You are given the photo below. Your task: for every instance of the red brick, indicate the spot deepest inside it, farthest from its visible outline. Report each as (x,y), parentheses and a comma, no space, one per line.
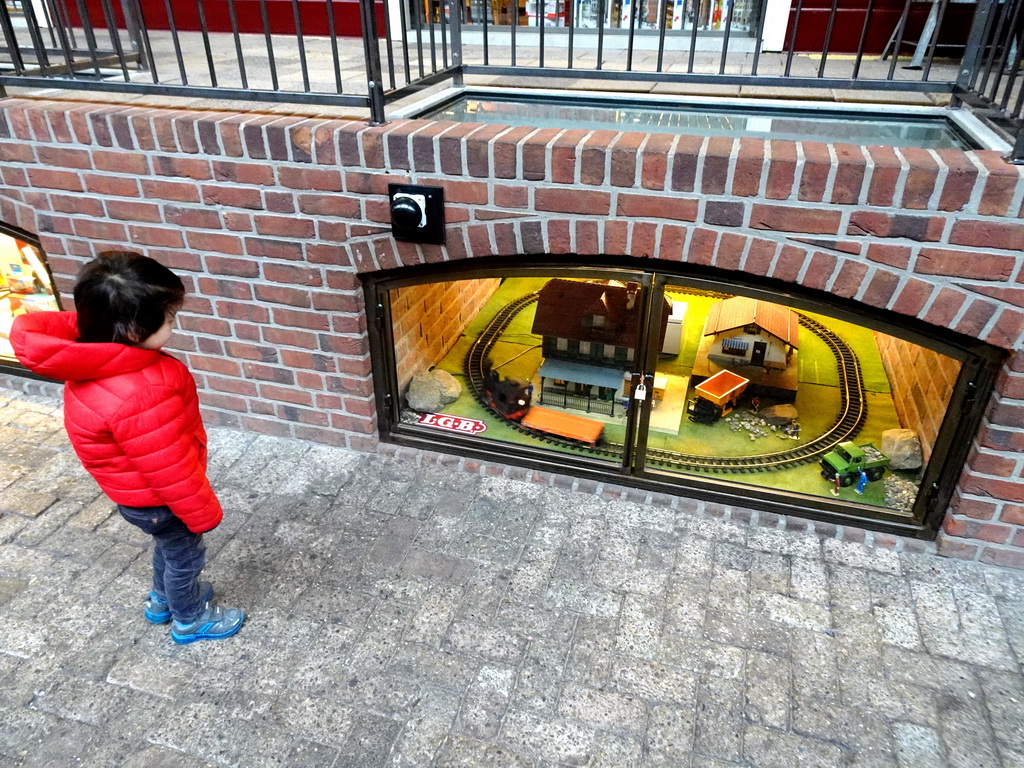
(113,186)
(228,289)
(1000,184)
(234,267)
(894,255)
(788,219)
(884,176)
(961,177)
(850,171)
(817,167)
(578,201)
(921,177)
(976,509)
(292,274)
(625,153)
(789,263)
(849,280)
(654,206)
(128,210)
(274,249)
(781,170)
(945,307)
(478,150)
(881,288)
(823,266)
(178,191)
(185,167)
(715,171)
(320,179)
(100,230)
(159,236)
(64,157)
(243,173)
(564,155)
(750,162)
(702,246)
(988,234)
(124,163)
(975,266)
(232,196)
(729,253)
(471,192)
(685,160)
(86,206)
(1007,330)
(1012,514)
(285,226)
(52,179)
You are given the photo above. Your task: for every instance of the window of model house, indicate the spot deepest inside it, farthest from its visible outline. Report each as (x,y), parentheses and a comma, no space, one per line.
(25,283)
(734,390)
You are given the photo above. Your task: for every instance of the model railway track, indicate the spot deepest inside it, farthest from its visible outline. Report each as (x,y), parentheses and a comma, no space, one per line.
(852,410)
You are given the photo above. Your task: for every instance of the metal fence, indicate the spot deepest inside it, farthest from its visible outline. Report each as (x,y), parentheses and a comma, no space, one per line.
(287,51)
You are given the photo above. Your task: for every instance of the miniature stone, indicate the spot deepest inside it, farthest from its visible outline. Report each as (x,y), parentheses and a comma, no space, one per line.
(779,415)
(430,391)
(903,447)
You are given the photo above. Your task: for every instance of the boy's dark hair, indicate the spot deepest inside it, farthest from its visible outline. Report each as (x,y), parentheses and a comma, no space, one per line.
(125,297)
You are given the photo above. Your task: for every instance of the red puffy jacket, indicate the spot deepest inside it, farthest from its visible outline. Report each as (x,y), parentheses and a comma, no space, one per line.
(132,415)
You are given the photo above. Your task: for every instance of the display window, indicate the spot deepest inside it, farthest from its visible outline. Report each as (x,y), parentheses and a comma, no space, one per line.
(25,283)
(780,401)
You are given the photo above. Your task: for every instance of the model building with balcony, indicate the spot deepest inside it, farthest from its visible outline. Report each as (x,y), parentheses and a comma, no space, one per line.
(588,333)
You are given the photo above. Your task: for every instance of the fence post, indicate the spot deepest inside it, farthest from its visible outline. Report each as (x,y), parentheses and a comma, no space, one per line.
(371,50)
(1016,156)
(455,24)
(977,42)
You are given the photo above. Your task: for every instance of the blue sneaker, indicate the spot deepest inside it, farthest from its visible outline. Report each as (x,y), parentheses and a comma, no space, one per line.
(214,623)
(158,611)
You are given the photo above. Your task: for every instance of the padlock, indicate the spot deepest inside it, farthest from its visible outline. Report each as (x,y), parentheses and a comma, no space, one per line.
(640,393)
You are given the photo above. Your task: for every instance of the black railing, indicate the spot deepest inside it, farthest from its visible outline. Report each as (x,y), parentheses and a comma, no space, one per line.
(587,403)
(303,52)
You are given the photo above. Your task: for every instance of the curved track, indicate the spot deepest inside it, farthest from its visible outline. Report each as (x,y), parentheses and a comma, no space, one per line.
(852,410)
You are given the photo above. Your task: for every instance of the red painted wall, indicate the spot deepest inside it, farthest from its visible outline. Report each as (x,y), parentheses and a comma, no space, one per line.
(885,15)
(280,16)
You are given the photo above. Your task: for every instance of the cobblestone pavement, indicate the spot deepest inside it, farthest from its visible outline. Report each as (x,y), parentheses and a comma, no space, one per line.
(405,614)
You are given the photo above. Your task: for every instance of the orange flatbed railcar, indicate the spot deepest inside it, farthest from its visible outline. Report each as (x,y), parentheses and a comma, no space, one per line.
(564,425)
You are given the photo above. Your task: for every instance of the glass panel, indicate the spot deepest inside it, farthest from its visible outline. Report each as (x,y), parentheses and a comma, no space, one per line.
(763,395)
(532,361)
(789,124)
(25,286)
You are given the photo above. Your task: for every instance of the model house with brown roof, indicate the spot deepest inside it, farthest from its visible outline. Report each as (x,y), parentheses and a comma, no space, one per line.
(750,333)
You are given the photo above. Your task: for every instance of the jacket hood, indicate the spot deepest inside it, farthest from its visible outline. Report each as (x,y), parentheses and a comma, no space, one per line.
(47,343)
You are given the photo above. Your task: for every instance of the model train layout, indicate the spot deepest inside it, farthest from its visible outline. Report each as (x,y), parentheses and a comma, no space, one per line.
(510,401)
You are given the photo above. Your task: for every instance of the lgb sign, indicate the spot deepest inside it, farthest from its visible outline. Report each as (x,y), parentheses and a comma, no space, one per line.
(452,423)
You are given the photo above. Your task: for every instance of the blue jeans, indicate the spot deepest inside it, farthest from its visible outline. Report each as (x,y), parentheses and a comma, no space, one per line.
(178,557)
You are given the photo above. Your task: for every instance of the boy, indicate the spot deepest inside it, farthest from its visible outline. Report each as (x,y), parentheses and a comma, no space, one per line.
(132,414)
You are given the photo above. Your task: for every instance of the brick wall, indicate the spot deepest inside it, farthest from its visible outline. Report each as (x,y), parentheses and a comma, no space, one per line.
(271,218)
(428,319)
(923,382)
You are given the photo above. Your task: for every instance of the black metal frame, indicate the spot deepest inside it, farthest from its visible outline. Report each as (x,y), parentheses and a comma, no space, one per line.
(980,364)
(432,51)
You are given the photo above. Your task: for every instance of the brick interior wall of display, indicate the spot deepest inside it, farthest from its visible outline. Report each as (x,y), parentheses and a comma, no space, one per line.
(428,319)
(922,381)
(272,217)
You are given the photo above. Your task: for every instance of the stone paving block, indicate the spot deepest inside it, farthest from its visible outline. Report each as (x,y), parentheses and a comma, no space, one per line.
(654,683)
(746,631)
(767,691)
(849,587)
(640,626)
(457,752)
(768,748)
(898,626)
(557,739)
(426,729)
(921,669)
(809,581)
(600,709)
(614,750)
(729,591)
(486,700)
(791,612)
(485,642)
(965,734)
(1004,699)
(10,526)
(625,577)
(815,666)
(860,556)
(865,737)
(159,757)
(166,679)
(433,666)
(719,726)
(916,745)
(93,514)
(22,501)
(770,572)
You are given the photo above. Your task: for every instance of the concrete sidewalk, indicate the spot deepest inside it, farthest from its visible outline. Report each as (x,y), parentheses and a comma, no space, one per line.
(405,614)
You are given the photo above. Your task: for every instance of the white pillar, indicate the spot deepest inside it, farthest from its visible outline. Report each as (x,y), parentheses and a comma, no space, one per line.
(776,20)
